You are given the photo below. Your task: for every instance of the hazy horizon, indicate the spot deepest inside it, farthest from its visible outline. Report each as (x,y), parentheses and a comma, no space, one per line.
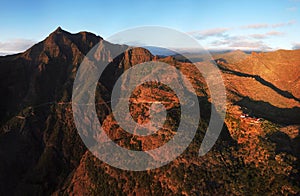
(217,25)
(161,51)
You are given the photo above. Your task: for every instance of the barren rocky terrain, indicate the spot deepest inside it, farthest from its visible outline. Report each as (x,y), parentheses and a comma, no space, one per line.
(41,152)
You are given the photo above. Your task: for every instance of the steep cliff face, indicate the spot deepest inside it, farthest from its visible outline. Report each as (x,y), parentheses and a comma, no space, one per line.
(38,137)
(34,82)
(42,153)
(281,68)
(37,75)
(267,84)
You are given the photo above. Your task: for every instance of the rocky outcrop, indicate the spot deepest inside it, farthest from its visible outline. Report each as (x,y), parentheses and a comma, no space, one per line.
(42,152)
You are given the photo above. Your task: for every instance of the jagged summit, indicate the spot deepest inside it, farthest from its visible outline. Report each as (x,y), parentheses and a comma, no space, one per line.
(43,153)
(62,43)
(58,29)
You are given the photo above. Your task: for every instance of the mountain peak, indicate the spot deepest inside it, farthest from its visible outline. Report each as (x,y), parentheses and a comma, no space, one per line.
(58,29)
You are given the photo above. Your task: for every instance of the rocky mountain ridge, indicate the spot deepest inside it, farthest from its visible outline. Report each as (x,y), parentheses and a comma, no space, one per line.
(42,153)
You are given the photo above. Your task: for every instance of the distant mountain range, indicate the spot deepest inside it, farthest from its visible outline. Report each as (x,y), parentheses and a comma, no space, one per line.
(41,152)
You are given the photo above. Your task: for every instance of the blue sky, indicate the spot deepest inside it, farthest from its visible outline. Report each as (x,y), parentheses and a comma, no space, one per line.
(217,24)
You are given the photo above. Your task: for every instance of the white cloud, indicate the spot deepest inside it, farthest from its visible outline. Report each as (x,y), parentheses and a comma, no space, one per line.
(256,45)
(266,35)
(284,24)
(265,25)
(223,38)
(15,46)
(216,32)
(259,36)
(296,46)
(255,26)
(3,54)
(240,42)
(292,9)
(275,33)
